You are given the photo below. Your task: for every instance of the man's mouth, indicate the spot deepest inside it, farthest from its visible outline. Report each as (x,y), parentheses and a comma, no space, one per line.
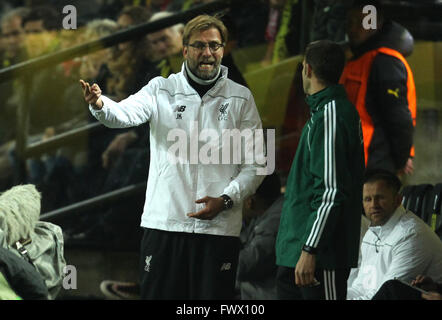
(206,65)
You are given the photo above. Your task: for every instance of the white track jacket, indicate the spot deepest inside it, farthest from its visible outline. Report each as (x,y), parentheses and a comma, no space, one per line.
(189,156)
(402,248)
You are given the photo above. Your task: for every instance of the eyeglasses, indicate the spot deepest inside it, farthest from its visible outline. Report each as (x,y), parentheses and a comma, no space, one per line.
(201,46)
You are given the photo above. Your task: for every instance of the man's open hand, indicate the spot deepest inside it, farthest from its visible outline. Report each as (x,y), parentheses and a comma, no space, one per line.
(211,210)
(425,283)
(92,94)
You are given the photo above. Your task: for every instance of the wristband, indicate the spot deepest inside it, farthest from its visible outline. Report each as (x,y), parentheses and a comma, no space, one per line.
(309,249)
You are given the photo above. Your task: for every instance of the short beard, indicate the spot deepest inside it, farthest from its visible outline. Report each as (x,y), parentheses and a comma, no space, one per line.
(203,75)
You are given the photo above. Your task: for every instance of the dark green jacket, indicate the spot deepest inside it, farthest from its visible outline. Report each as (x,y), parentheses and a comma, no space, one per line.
(323,200)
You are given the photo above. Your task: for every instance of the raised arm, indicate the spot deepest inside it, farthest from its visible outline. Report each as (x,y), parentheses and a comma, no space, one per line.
(92,94)
(130,112)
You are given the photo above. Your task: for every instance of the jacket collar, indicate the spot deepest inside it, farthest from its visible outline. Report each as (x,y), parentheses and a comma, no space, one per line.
(318,100)
(384,230)
(224,72)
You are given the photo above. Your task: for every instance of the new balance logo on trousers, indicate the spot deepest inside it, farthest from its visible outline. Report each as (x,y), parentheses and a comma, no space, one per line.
(181,266)
(147,267)
(226,266)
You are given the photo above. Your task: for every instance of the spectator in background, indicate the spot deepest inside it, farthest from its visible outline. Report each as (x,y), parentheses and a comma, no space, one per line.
(282,33)
(129,63)
(41,26)
(13,52)
(398,244)
(94,65)
(13,36)
(329,20)
(256,275)
(165,46)
(379,82)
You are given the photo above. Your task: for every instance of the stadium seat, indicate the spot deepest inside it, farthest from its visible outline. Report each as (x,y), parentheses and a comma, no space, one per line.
(419,198)
(406,194)
(435,218)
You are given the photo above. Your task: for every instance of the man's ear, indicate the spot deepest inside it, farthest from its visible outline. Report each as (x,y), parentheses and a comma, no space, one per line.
(185,51)
(308,70)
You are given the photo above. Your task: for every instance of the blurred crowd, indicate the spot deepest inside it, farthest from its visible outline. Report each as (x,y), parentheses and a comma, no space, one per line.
(30,29)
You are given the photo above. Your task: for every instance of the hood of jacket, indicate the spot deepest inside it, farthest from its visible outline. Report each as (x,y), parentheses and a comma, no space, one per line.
(392,35)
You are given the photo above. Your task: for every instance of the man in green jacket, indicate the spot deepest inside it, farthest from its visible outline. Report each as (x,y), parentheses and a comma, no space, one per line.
(318,237)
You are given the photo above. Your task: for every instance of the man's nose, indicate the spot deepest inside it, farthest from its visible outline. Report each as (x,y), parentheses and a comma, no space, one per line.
(162,45)
(206,51)
(374,203)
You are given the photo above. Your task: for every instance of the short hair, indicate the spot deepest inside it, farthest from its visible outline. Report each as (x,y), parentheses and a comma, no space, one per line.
(373,175)
(99,28)
(164,14)
(20,12)
(138,14)
(327,60)
(202,23)
(46,13)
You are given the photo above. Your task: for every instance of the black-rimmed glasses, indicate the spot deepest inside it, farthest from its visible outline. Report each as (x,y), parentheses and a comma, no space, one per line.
(201,46)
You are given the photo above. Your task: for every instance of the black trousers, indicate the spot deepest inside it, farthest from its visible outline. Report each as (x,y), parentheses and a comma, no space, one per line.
(177,265)
(332,285)
(395,290)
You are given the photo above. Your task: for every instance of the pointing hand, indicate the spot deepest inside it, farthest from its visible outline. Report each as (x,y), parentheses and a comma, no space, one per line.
(92,94)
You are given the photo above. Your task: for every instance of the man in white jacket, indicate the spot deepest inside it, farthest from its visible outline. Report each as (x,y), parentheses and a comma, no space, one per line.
(397,245)
(192,212)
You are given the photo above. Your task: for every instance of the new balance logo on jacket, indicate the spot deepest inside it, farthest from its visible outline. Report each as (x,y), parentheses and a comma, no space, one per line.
(226,266)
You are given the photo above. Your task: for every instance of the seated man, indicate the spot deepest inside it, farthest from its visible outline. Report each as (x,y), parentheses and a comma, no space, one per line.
(397,244)
(256,275)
